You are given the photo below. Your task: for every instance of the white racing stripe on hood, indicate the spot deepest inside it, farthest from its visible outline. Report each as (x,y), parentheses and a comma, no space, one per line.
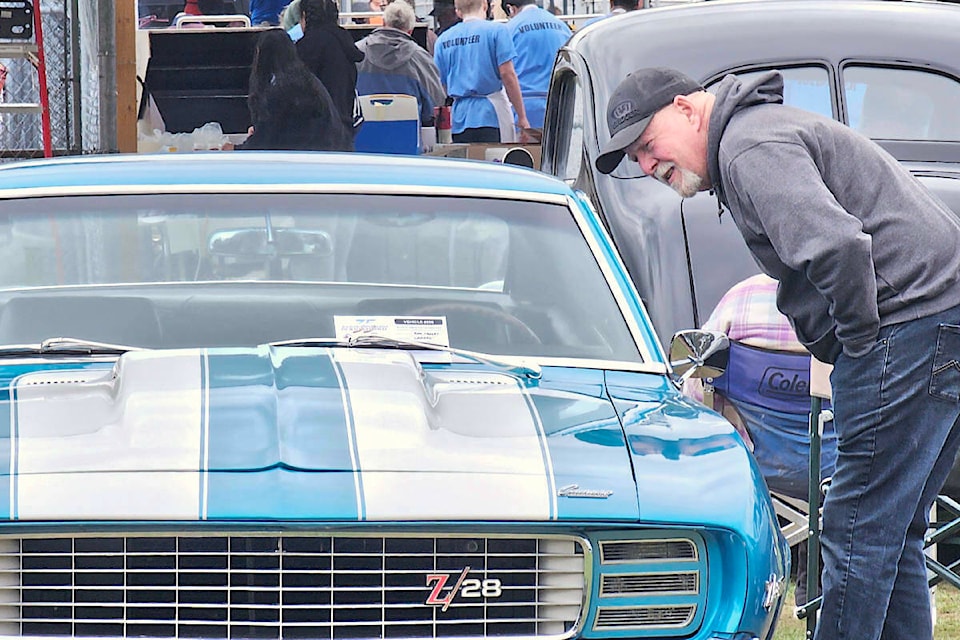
(89,444)
(444,445)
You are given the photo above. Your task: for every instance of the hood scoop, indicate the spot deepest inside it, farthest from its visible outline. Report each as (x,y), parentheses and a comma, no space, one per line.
(134,415)
(108,444)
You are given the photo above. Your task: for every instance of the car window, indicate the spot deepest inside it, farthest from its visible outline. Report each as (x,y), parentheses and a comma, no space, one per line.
(946,188)
(510,277)
(901,103)
(568,143)
(803,87)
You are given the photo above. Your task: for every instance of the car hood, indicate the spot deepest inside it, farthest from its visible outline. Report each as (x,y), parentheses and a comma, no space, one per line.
(309,433)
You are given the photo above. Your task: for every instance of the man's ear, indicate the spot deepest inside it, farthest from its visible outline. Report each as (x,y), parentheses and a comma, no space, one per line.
(689,109)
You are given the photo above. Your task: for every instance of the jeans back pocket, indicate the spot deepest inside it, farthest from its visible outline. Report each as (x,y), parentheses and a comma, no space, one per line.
(945,376)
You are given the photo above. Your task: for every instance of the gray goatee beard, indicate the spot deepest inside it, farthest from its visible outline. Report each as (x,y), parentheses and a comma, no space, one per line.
(688,183)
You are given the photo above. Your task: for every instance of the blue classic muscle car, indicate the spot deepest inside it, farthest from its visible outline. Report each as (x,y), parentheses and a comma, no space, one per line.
(334,396)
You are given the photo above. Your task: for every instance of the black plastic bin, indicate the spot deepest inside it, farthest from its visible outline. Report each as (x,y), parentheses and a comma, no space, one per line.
(198,76)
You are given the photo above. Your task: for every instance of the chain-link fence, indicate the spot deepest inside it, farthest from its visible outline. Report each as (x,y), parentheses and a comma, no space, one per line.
(73,120)
(88,90)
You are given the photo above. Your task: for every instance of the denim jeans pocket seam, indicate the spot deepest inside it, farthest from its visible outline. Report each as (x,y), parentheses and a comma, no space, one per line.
(945,369)
(953,364)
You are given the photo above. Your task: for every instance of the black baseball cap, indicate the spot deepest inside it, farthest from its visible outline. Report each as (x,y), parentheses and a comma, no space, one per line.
(634,102)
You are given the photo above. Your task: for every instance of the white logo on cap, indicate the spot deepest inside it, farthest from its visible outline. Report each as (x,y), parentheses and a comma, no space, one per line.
(622,109)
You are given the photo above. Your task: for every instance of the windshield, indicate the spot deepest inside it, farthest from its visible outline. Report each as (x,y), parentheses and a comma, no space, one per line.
(222,270)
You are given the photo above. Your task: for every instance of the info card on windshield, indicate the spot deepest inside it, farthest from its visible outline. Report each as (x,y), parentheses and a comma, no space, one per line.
(429,329)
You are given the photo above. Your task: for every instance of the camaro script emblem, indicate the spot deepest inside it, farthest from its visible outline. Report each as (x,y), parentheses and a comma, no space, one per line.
(574,491)
(772,591)
(466,588)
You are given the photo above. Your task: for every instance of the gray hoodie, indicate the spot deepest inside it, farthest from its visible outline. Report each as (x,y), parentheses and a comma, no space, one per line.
(855,240)
(395,63)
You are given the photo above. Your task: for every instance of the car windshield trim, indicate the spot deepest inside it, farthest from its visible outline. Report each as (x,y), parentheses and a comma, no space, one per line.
(649,349)
(274,188)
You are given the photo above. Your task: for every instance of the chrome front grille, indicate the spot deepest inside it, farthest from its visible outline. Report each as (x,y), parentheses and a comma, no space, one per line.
(652,585)
(677,583)
(636,618)
(290,586)
(644,550)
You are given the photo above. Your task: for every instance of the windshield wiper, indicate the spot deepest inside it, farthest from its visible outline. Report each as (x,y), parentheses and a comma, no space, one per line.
(370,340)
(65,346)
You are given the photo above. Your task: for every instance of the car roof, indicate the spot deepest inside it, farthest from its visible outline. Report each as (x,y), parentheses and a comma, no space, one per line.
(251,168)
(704,38)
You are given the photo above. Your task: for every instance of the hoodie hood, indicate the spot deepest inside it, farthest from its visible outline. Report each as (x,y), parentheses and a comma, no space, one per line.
(733,95)
(388,48)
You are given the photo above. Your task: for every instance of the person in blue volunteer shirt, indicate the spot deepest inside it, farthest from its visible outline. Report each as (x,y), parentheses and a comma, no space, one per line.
(537,36)
(475,59)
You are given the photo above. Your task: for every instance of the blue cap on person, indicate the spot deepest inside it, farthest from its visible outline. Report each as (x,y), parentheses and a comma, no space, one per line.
(634,102)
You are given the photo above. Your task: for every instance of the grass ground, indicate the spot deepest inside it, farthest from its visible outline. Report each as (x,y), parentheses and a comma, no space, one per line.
(947,621)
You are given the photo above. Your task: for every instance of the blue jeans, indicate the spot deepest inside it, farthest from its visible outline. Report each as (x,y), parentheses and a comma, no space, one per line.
(897,411)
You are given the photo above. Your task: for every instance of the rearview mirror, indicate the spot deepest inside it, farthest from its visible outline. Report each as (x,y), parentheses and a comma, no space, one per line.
(695,353)
(257,243)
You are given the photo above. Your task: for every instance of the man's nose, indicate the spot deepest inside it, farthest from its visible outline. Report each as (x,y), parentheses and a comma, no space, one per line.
(647,164)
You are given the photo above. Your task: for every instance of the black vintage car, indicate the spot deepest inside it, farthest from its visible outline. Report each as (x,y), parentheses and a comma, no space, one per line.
(888,69)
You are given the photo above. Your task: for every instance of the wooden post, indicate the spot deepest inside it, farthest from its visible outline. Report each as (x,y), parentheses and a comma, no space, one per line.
(126,52)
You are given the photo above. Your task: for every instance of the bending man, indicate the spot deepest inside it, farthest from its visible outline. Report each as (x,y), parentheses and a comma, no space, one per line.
(869,276)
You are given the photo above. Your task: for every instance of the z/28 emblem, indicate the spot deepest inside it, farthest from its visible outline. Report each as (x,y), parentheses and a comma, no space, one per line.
(467,588)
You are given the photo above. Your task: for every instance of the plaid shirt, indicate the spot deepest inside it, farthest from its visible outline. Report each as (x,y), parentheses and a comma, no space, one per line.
(748,313)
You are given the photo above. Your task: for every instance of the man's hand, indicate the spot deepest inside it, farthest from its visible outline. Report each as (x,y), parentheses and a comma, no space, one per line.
(512,85)
(530,136)
(523,125)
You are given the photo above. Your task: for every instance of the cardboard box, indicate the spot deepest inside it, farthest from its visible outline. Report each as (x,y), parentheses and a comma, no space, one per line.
(489,151)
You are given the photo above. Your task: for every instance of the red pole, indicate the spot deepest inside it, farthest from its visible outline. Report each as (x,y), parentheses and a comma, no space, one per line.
(42,77)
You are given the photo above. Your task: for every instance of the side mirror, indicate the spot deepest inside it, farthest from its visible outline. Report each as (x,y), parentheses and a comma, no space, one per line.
(695,353)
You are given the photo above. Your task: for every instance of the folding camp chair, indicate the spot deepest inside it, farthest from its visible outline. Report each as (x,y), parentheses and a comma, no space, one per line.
(770,391)
(943,530)
(820,393)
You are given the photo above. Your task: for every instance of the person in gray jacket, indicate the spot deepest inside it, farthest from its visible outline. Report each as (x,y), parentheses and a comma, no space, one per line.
(868,267)
(394,63)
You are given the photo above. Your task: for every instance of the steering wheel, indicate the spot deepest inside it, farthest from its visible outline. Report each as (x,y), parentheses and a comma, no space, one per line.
(494,313)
